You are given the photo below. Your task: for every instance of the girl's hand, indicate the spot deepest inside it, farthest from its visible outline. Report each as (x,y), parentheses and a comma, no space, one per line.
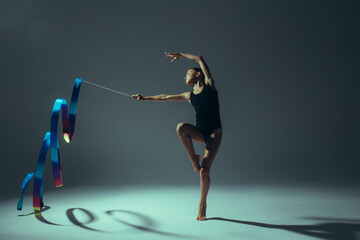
(175,56)
(138,97)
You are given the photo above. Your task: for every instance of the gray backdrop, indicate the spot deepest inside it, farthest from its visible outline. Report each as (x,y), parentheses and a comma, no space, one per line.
(286,71)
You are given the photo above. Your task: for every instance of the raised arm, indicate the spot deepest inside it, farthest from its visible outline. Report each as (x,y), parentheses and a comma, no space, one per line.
(164,97)
(200,60)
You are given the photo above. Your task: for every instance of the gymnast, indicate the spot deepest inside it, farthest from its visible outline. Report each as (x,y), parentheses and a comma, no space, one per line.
(208,130)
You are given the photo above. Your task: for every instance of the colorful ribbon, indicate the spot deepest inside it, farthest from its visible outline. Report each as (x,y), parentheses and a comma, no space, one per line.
(50,139)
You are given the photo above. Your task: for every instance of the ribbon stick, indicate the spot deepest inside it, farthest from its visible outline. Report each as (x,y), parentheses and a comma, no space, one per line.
(109,89)
(51,140)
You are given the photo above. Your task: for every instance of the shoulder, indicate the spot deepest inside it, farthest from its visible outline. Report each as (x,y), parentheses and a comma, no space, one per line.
(187,96)
(210,86)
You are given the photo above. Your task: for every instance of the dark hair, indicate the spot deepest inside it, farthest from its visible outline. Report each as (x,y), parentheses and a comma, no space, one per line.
(196,69)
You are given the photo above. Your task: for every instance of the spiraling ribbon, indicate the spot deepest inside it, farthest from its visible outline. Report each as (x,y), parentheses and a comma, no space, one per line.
(51,140)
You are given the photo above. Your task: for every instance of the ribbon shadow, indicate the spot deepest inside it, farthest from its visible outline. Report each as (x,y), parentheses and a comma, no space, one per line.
(40,217)
(70,214)
(147,222)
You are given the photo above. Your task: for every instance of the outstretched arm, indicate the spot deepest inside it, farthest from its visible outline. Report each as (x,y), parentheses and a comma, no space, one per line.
(164,97)
(200,60)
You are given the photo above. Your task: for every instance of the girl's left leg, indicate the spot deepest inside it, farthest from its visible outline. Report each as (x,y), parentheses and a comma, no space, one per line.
(211,148)
(187,132)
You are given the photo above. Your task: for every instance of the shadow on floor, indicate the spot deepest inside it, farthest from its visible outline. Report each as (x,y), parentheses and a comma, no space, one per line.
(40,217)
(91,218)
(45,208)
(147,223)
(335,229)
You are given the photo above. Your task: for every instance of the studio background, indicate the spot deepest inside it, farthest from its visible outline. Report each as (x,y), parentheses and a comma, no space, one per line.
(286,71)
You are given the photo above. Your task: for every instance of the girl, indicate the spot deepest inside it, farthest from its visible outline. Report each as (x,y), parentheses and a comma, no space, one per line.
(204,99)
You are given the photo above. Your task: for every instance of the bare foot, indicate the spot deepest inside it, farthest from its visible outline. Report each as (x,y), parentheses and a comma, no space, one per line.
(196,163)
(202,212)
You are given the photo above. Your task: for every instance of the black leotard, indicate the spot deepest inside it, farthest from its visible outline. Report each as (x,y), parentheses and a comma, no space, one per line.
(206,106)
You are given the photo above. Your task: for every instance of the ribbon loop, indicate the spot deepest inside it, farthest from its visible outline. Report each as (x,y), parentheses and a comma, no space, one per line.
(51,140)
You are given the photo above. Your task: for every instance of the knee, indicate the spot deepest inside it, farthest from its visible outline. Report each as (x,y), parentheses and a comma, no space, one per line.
(204,173)
(180,128)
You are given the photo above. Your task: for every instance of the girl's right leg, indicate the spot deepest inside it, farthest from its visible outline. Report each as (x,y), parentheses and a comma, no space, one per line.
(187,132)
(211,148)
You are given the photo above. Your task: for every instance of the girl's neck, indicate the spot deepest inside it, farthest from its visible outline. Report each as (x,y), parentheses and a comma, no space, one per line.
(198,85)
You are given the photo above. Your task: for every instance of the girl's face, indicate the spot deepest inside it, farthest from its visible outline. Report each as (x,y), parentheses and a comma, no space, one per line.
(190,77)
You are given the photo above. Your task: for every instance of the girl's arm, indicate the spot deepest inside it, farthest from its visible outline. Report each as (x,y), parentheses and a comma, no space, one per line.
(199,59)
(164,97)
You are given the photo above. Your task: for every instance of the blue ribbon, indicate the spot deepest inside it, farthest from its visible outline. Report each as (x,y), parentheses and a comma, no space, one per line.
(51,140)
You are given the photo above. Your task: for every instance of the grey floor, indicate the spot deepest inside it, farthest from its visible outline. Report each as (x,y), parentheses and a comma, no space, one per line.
(253,212)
